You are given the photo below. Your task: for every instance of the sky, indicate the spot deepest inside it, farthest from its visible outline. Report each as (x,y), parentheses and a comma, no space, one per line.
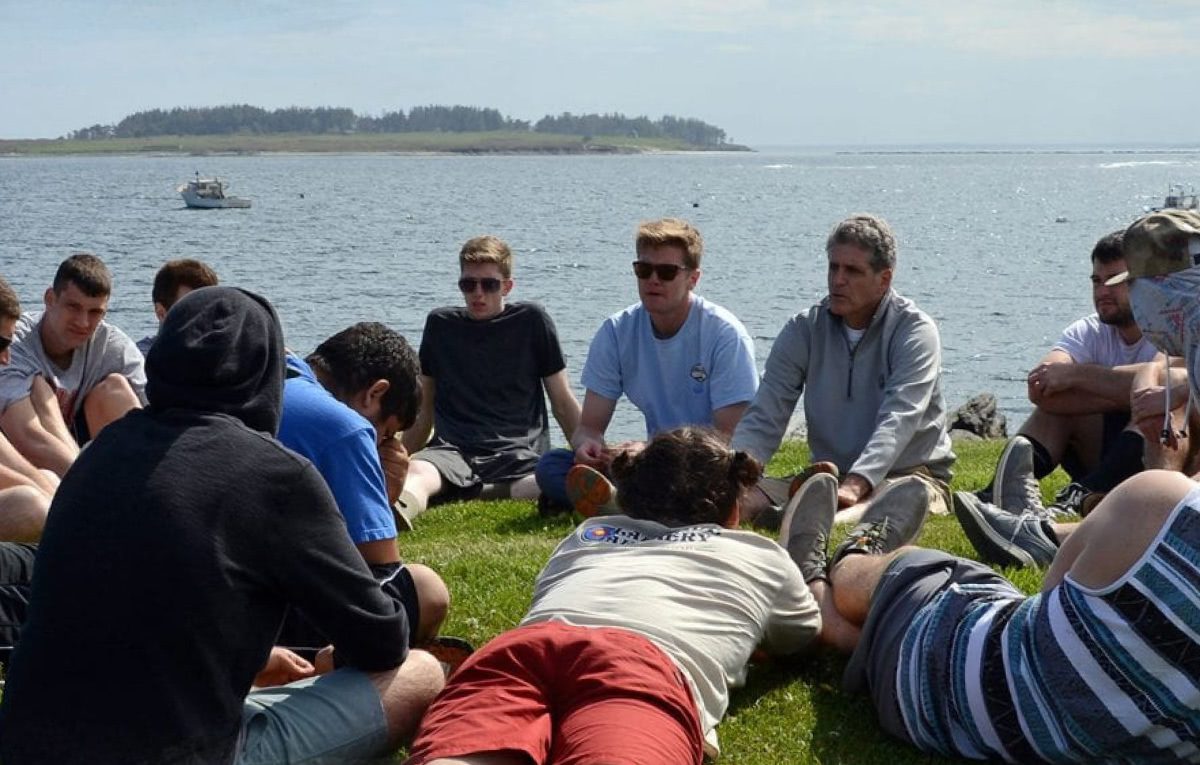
(768,72)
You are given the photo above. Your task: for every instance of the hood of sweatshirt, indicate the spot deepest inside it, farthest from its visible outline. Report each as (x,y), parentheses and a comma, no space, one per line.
(220,349)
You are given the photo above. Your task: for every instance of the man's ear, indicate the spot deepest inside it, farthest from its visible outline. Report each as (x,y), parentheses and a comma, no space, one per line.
(48,297)
(376,391)
(160,311)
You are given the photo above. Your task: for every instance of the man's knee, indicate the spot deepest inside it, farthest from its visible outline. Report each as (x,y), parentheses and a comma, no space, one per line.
(407,691)
(108,401)
(23,511)
(433,598)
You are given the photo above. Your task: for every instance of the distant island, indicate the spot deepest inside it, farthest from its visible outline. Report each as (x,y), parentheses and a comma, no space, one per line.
(244,129)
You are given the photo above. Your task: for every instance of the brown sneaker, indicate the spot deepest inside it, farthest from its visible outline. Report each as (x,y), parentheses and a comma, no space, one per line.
(591,492)
(815,468)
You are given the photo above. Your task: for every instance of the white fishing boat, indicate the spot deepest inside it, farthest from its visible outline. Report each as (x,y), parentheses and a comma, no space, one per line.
(208,193)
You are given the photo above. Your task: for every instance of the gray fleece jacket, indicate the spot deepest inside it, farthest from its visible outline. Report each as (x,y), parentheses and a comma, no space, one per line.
(876,412)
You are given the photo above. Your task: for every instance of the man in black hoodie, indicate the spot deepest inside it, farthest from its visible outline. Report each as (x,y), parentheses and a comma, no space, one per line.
(176,542)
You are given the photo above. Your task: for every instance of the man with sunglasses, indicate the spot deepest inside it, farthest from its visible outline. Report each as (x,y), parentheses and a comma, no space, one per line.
(484,367)
(868,363)
(72,373)
(680,359)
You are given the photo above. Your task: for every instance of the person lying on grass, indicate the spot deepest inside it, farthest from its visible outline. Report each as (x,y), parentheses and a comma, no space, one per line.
(1098,666)
(640,623)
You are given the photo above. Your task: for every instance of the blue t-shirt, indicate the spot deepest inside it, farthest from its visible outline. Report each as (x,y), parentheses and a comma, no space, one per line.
(340,442)
(708,364)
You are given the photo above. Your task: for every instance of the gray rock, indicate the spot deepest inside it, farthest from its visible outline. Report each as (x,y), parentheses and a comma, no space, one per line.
(958,435)
(979,416)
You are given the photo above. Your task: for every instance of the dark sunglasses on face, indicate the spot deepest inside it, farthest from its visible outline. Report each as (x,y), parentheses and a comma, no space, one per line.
(664,271)
(4,343)
(468,284)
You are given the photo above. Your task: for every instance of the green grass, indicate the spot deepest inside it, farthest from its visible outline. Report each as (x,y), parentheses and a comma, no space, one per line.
(490,552)
(502,142)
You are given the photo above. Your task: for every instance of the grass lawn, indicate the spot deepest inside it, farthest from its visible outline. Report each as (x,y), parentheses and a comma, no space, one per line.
(490,552)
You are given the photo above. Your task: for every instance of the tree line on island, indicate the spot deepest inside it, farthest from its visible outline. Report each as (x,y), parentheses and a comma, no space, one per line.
(245,119)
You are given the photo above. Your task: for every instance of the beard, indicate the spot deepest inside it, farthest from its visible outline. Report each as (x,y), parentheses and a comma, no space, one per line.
(1117,317)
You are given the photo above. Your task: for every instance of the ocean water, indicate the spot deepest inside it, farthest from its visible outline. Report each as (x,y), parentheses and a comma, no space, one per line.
(994,247)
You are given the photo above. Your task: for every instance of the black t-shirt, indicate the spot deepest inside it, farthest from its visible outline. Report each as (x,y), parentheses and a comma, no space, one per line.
(487,378)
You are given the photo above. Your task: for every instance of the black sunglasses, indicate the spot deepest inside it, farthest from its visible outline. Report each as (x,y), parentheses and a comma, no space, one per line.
(664,271)
(4,343)
(468,284)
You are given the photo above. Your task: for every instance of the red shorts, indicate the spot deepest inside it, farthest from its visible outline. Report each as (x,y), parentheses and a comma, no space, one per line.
(567,695)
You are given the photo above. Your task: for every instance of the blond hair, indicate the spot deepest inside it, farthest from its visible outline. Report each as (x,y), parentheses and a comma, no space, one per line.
(487,249)
(671,232)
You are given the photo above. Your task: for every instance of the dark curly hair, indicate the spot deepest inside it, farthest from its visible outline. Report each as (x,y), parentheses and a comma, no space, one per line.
(356,357)
(683,477)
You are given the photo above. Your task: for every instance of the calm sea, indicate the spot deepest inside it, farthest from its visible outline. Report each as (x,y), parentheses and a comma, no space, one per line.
(994,246)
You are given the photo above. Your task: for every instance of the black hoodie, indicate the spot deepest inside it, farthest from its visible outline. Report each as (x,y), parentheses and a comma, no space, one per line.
(172,549)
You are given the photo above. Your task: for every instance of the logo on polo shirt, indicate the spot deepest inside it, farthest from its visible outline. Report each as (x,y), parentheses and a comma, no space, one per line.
(699,373)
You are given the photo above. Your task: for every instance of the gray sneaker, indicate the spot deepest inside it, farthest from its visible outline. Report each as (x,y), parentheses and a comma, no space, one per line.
(892,519)
(1004,538)
(1014,488)
(807,519)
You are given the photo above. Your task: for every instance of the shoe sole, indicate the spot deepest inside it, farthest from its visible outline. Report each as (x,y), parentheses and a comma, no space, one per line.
(588,490)
(816,468)
(990,545)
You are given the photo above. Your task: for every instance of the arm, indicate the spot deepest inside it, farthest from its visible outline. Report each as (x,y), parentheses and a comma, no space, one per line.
(1060,386)
(323,575)
(588,440)
(34,442)
(563,404)
(417,436)
(915,357)
(761,427)
(726,418)
(795,619)
(15,470)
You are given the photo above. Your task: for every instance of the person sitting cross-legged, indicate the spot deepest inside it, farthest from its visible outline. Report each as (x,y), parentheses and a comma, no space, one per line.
(72,373)
(484,368)
(640,623)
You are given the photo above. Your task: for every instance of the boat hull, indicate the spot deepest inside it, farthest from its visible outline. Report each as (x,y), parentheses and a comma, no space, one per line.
(192,199)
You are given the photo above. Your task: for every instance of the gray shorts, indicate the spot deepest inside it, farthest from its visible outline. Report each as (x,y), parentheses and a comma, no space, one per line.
(463,475)
(908,584)
(334,718)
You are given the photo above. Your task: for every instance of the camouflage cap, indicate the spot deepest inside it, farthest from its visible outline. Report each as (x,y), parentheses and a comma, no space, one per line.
(1160,243)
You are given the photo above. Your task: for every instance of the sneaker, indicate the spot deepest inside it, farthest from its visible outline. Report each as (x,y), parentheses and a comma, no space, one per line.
(450,652)
(1070,500)
(892,519)
(1004,538)
(1015,488)
(591,492)
(807,519)
(550,508)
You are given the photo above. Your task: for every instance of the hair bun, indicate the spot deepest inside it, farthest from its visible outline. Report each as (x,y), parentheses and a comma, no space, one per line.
(744,469)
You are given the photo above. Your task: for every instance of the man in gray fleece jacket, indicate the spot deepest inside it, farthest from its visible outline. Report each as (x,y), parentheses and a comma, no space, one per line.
(871,363)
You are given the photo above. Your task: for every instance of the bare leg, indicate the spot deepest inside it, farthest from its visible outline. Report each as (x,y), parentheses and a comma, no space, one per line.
(524,487)
(423,482)
(854,579)
(45,450)
(49,413)
(1115,535)
(406,692)
(433,598)
(836,631)
(109,401)
(23,512)
(1058,433)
